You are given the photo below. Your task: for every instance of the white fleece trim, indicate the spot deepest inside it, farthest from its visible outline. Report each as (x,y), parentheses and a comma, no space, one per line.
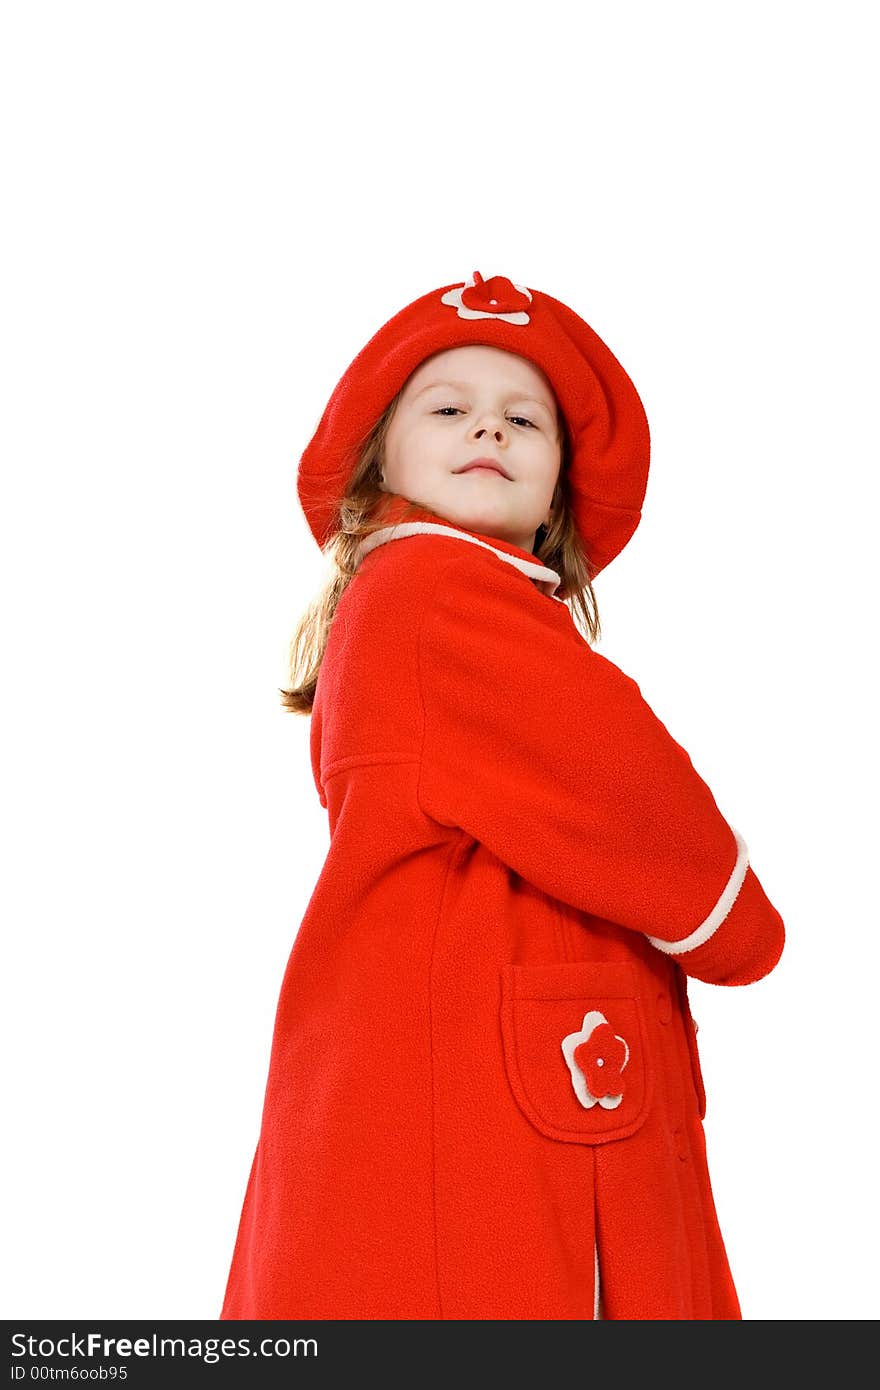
(597,1307)
(719,911)
(545,579)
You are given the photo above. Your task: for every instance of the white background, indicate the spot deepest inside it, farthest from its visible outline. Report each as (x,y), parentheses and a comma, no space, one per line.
(209,208)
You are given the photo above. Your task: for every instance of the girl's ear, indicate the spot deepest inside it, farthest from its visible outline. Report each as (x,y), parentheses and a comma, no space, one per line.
(555,501)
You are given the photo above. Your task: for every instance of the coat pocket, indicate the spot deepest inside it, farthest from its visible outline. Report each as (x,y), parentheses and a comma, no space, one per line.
(575,1048)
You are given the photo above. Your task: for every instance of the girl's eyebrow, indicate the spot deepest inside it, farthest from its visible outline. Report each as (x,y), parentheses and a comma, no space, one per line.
(463,386)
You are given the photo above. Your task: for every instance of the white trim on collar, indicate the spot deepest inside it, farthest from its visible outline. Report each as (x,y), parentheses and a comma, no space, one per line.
(545,579)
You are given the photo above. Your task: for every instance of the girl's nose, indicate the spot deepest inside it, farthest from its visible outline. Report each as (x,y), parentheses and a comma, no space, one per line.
(488,425)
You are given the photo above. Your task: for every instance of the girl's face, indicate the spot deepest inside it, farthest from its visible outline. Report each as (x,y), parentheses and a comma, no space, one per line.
(469,403)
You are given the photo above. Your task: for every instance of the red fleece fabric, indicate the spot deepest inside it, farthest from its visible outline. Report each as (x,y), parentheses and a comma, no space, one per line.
(511,826)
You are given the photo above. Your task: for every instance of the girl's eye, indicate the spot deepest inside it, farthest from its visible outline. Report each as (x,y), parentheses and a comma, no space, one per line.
(514,418)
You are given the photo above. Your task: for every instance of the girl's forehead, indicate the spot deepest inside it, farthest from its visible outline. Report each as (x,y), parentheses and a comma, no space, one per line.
(479,364)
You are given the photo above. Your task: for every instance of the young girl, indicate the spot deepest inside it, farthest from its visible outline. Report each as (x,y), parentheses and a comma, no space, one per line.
(484,1097)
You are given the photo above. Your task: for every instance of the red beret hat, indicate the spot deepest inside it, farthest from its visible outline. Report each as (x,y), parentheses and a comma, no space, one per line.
(606,421)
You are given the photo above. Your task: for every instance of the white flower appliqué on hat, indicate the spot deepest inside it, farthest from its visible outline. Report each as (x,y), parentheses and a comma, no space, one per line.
(498,298)
(596,1057)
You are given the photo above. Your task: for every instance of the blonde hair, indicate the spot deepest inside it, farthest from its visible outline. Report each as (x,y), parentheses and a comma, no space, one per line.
(360,513)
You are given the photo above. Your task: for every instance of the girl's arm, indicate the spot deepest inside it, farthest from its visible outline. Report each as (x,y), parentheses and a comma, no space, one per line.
(548,754)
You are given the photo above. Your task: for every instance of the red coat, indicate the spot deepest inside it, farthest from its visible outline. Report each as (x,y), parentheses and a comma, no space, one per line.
(484,1083)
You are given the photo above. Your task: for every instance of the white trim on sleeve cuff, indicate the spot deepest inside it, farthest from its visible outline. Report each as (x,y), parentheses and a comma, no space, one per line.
(719,911)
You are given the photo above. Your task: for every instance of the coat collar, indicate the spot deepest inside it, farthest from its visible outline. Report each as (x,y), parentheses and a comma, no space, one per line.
(425,522)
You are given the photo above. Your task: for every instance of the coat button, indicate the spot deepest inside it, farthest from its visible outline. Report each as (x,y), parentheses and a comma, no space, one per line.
(664,1007)
(680,1145)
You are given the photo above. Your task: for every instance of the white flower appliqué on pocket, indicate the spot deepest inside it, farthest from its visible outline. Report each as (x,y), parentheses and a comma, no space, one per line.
(596,1058)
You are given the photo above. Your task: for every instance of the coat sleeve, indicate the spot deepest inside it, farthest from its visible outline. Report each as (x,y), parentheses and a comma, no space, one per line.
(548,754)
